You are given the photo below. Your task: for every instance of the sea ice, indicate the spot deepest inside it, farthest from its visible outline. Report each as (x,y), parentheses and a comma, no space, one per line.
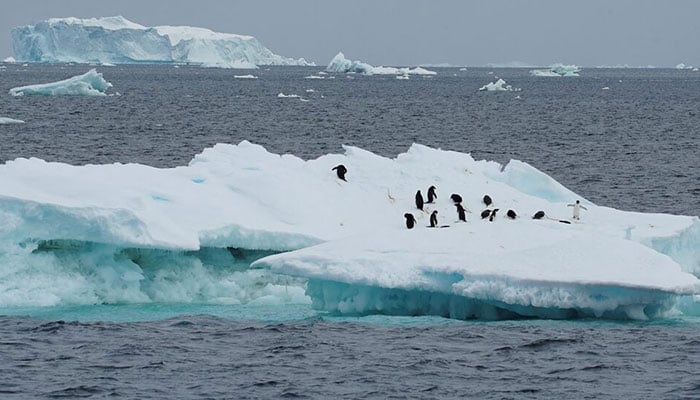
(90,83)
(498,86)
(341,64)
(6,120)
(133,233)
(557,70)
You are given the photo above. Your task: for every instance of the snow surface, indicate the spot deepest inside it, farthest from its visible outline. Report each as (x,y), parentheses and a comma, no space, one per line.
(90,83)
(6,120)
(340,64)
(116,40)
(351,250)
(557,70)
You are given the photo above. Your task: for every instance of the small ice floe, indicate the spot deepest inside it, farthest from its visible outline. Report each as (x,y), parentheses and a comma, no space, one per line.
(310,90)
(245,77)
(6,120)
(90,83)
(288,96)
(498,86)
(404,76)
(606,88)
(314,77)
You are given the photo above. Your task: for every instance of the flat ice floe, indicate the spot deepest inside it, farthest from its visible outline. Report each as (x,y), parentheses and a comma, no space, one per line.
(102,230)
(6,120)
(90,83)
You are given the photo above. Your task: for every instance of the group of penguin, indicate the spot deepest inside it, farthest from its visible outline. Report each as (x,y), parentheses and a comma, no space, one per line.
(489,213)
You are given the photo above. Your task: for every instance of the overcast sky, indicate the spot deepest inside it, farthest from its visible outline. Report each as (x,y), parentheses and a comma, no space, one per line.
(410,32)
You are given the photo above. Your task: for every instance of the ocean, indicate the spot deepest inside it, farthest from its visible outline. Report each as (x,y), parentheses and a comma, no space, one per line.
(622,138)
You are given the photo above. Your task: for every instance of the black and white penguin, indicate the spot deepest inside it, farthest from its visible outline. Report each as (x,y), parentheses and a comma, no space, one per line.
(410,220)
(456,198)
(487,200)
(433,219)
(460,212)
(485,214)
(493,214)
(340,170)
(538,215)
(511,214)
(419,200)
(431,194)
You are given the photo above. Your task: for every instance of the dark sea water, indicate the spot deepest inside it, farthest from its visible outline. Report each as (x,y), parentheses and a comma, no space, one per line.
(633,146)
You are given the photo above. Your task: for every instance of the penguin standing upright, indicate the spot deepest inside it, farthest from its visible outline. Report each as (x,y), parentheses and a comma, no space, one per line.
(340,170)
(410,220)
(493,214)
(460,213)
(433,219)
(419,200)
(487,200)
(431,195)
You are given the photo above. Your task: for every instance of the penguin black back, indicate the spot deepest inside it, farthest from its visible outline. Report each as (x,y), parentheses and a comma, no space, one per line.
(419,200)
(431,194)
(410,220)
(538,215)
(511,214)
(487,200)
(485,213)
(340,170)
(493,214)
(433,219)
(456,198)
(460,213)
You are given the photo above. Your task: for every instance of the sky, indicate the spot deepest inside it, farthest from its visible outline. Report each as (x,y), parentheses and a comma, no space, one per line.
(413,32)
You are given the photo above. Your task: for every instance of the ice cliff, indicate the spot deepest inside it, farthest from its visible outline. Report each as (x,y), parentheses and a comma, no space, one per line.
(116,40)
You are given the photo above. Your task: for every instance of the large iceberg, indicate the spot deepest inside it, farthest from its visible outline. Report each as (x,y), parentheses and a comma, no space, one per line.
(240,224)
(90,83)
(116,40)
(341,64)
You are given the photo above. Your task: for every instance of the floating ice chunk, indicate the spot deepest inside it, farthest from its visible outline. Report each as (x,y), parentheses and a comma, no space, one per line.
(288,96)
(342,65)
(9,60)
(498,86)
(245,77)
(557,70)
(404,76)
(6,120)
(314,77)
(90,83)
(462,69)
(695,70)
(606,88)
(683,66)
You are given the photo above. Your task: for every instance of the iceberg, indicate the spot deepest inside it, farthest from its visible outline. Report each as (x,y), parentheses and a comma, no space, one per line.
(6,120)
(239,224)
(116,40)
(557,70)
(499,86)
(340,64)
(90,83)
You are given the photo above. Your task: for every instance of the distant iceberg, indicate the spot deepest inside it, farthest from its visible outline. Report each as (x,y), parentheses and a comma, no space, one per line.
(340,64)
(133,233)
(557,70)
(499,86)
(90,83)
(116,40)
(683,66)
(6,120)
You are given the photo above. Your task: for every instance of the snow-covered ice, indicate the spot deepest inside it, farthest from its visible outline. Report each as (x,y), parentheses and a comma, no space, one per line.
(340,64)
(498,86)
(7,120)
(90,83)
(557,70)
(347,242)
(245,77)
(116,40)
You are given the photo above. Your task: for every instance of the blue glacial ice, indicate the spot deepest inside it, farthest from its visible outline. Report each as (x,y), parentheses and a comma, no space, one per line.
(90,83)
(242,225)
(116,40)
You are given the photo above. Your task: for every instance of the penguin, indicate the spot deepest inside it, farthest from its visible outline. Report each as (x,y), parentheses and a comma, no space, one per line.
(410,220)
(340,170)
(485,213)
(433,219)
(511,214)
(456,198)
(493,214)
(419,200)
(460,212)
(431,194)
(538,215)
(487,200)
